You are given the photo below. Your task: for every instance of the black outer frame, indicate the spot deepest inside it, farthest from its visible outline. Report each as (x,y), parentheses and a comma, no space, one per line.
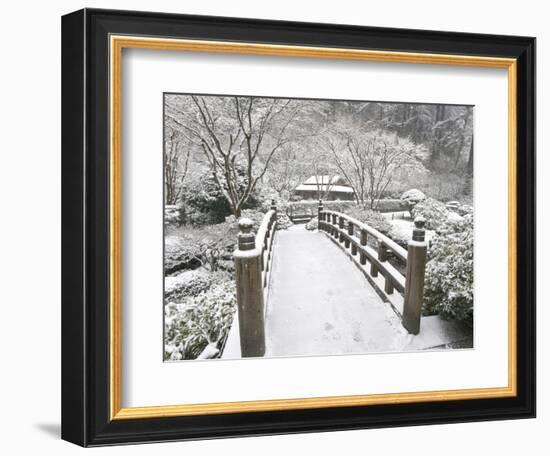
(85,227)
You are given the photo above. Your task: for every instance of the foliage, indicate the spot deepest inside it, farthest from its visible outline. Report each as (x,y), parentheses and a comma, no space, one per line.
(199,321)
(465,209)
(412,197)
(171,215)
(445,131)
(203,201)
(368,160)
(405,179)
(435,212)
(390,205)
(254,215)
(189,247)
(287,170)
(178,255)
(176,164)
(207,244)
(283,221)
(450,272)
(312,224)
(188,283)
(446,183)
(242,143)
(311,206)
(266,198)
(452,127)
(234,134)
(372,218)
(400,237)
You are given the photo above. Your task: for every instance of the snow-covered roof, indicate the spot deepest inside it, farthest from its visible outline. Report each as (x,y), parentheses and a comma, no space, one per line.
(324,188)
(314,180)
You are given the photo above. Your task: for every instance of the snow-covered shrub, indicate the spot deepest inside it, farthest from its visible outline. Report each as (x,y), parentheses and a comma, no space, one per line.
(372,218)
(412,197)
(465,209)
(179,255)
(198,321)
(401,237)
(448,287)
(211,246)
(210,243)
(452,205)
(188,283)
(311,206)
(445,185)
(255,215)
(203,201)
(283,221)
(435,212)
(391,205)
(312,224)
(268,197)
(171,215)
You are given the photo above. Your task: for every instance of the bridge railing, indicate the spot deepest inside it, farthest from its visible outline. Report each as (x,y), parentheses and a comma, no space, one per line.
(356,236)
(264,243)
(252,271)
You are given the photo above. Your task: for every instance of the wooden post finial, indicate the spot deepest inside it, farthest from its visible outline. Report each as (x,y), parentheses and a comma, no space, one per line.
(246,237)
(419,233)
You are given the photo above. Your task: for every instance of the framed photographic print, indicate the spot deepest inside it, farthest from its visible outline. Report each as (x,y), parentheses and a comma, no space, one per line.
(279,227)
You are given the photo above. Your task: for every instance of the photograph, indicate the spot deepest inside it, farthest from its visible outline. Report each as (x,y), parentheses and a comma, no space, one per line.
(313,227)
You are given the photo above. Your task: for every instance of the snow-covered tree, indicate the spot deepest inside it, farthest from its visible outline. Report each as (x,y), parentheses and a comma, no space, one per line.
(235,133)
(368,160)
(176,165)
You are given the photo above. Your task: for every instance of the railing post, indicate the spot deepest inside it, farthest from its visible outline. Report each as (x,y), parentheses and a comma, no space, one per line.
(334,230)
(320,214)
(383,256)
(388,286)
(250,296)
(341,226)
(351,229)
(373,270)
(414,284)
(363,241)
(382,251)
(350,232)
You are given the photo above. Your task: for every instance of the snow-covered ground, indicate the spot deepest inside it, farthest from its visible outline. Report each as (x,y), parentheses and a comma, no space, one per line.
(172,283)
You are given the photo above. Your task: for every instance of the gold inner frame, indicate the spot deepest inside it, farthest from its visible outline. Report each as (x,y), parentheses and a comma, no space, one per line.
(117,44)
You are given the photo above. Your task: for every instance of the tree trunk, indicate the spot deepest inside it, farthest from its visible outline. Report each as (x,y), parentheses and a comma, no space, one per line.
(439,117)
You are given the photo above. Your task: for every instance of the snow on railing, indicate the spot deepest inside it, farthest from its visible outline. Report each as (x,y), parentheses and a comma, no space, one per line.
(352,234)
(264,242)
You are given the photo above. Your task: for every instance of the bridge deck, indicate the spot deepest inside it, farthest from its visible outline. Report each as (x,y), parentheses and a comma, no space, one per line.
(321,304)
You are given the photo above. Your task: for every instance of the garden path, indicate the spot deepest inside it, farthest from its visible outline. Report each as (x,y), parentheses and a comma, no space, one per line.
(321,304)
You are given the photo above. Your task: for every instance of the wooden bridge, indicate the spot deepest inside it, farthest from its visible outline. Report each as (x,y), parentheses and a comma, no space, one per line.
(345,288)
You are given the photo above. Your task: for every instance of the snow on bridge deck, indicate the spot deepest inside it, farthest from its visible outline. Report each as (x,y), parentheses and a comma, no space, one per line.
(321,304)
